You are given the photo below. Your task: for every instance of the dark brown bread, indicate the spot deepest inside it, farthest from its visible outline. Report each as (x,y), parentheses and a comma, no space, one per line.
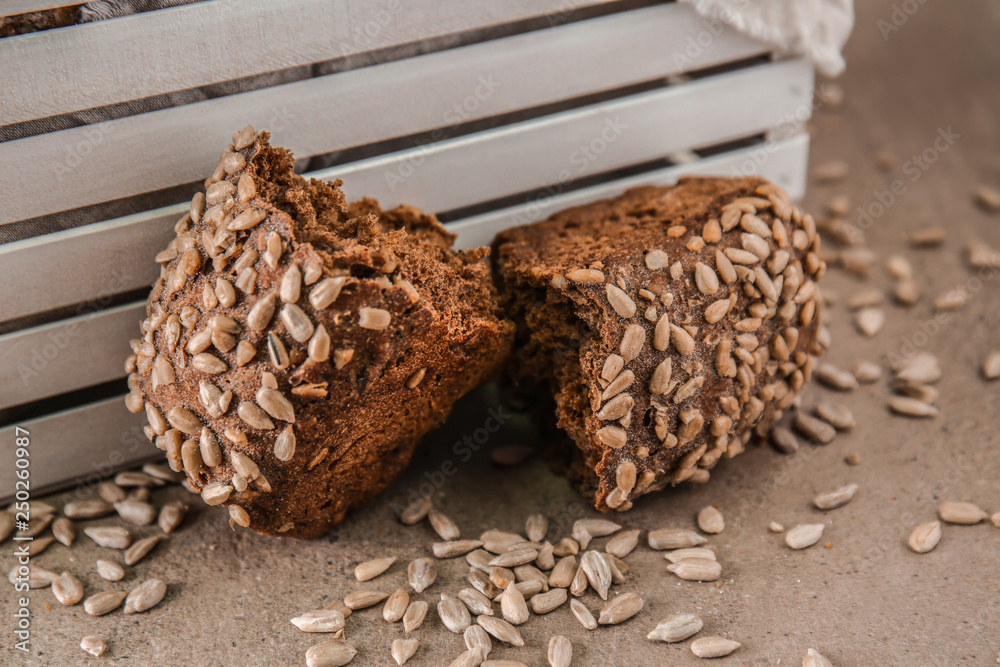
(613,302)
(410,326)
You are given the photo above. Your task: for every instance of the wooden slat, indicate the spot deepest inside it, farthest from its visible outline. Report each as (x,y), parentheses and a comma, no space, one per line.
(101,63)
(77,446)
(96,344)
(67,355)
(782,162)
(83,264)
(115,256)
(554,149)
(325,114)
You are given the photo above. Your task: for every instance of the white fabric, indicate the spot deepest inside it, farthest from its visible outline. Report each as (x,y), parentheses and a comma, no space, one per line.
(816,29)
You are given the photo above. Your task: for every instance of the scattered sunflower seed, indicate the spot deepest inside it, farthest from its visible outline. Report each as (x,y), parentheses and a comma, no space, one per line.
(471,658)
(39,544)
(713,647)
(171,516)
(775,527)
(372,568)
(396,605)
(136,512)
(836,378)
(923,367)
(925,537)
(838,415)
(514,557)
(414,616)
(676,629)
(814,659)
(867,372)
(443,525)
(560,652)
(141,549)
(804,535)
(869,321)
(112,537)
(500,629)
(814,428)
(620,609)
(562,574)
(95,646)
(64,531)
(961,513)
(145,596)
(331,653)
(710,520)
(595,567)
(476,637)
(403,649)
(67,589)
(988,198)
(991,365)
(536,526)
(512,605)
(89,509)
(582,614)
(421,573)
(6,525)
(837,498)
(696,569)
(319,620)
(415,512)
(784,440)
(476,601)
(622,544)
(38,577)
(364,599)
(104,603)
(454,548)
(596,527)
(543,603)
(912,407)
(692,552)
(110,570)
(674,538)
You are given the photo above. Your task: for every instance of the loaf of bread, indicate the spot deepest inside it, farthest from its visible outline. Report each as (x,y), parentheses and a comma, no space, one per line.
(667,325)
(297,348)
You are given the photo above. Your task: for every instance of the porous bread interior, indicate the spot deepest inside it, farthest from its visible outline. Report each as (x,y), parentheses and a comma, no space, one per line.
(553,333)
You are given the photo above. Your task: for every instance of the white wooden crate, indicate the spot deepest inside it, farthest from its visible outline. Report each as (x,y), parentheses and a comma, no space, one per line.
(499,114)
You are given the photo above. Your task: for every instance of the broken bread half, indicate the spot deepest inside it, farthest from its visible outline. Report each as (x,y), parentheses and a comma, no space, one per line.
(296,347)
(667,325)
